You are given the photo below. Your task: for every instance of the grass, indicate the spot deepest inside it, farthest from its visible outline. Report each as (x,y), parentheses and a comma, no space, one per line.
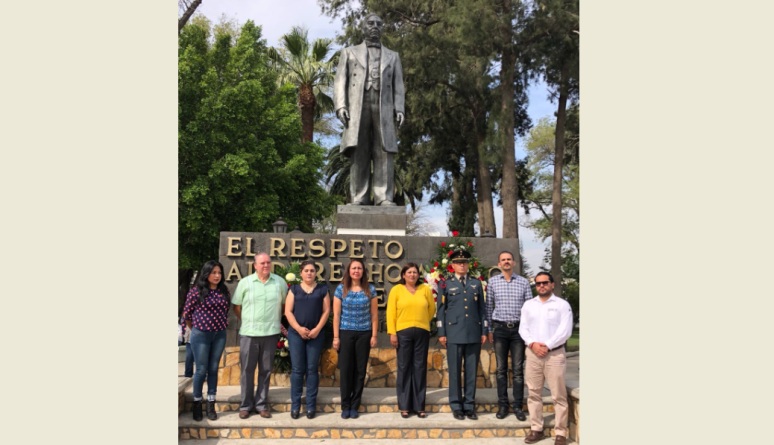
(573,344)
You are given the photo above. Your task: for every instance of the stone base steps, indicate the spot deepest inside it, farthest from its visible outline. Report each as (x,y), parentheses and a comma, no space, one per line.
(375,400)
(493,441)
(367,426)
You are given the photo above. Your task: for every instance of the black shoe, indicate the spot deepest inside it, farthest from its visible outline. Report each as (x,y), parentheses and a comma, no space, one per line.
(502,413)
(197,410)
(310,414)
(211,414)
(520,414)
(294,414)
(458,414)
(470,414)
(344,413)
(354,414)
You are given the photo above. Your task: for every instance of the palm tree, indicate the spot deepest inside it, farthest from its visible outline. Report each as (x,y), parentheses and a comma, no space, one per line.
(305,66)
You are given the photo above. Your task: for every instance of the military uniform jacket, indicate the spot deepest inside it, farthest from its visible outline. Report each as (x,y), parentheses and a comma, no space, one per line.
(461,311)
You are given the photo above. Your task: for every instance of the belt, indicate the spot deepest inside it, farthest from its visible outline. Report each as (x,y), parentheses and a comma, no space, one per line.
(507,325)
(558,347)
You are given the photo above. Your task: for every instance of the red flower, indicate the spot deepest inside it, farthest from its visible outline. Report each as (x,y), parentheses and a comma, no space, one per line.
(433,270)
(443,243)
(434,265)
(280,344)
(475,264)
(455,233)
(470,244)
(450,252)
(450,269)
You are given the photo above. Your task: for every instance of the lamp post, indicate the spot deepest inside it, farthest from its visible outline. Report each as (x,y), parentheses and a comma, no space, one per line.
(280,226)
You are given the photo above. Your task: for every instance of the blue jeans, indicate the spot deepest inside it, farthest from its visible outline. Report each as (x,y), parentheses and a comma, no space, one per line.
(207,348)
(189,361)
(304,361)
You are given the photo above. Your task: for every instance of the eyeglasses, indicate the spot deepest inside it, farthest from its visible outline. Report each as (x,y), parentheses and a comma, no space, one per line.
(460,262)
(541,283)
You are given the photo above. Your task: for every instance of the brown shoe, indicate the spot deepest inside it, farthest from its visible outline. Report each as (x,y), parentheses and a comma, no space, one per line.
(265,413)
(560,440)
(244,414)
(534,436)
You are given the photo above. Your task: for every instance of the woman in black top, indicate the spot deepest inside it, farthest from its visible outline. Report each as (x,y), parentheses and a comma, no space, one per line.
(307,307)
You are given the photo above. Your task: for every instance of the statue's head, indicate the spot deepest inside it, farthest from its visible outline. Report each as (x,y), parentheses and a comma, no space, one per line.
(372,27)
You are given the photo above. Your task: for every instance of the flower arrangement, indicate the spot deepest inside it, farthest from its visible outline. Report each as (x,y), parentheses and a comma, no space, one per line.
(282,355)
(439,268)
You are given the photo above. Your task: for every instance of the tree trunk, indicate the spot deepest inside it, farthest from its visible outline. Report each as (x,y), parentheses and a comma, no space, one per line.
(486,222)
(187,14)
(556,196)
(509,189)
(307,103)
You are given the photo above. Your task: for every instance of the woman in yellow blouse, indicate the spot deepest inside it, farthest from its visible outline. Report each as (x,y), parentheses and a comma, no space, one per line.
(410,307)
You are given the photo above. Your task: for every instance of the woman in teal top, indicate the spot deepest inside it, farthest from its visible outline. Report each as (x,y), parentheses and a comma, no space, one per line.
(355,320)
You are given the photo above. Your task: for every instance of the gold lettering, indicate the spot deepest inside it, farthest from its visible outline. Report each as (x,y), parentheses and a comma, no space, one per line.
(250,248)
(320,270)
(380,297)
(356,248)
(392,279)
(336,272)
(387,250)
(276,264)
(234,270)
(316,248)
(277,246)
(375,270)
(232,246)
(375,247)
(337,246)
(296,248)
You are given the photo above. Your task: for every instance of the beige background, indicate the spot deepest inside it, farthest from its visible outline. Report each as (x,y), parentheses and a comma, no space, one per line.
(676,224)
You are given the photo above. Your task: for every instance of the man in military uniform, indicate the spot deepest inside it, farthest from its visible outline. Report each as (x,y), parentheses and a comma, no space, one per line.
(462,330)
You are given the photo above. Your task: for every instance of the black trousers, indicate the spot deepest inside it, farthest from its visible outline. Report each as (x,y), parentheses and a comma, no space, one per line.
(507,340)
(354,349)
(413,344)
(463,356)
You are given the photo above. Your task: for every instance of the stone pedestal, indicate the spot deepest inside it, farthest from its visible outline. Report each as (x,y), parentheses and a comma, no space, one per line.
(371,220)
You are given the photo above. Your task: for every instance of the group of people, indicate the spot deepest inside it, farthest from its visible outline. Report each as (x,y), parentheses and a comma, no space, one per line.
(533,331)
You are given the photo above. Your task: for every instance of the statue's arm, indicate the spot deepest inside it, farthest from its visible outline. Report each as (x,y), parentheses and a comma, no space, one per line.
(399,91)
(340,87)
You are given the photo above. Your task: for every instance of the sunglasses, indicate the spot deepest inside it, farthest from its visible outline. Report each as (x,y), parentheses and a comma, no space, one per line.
(460,262)
(541,283)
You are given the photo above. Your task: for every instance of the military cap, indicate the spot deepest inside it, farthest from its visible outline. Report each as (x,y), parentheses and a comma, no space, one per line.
(460,255)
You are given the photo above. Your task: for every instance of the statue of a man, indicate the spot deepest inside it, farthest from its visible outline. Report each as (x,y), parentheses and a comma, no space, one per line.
(369,97)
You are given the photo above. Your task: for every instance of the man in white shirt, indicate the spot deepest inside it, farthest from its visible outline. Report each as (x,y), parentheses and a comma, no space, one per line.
(546,324)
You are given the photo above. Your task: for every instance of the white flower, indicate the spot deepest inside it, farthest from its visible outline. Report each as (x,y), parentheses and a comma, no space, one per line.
(283,353)
(290,276)
(451,246)
(444,261)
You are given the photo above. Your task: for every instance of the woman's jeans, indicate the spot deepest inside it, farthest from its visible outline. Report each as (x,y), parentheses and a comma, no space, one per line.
(304,361)
(189,361)
(207,349)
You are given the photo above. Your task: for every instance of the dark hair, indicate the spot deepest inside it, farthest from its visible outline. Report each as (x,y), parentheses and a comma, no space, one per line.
(347,280)
(550,278)
(204,285)
(307,263)
(407,267)
(508,252)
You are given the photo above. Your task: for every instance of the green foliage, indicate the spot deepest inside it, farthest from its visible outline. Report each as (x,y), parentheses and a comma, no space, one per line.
(241,163)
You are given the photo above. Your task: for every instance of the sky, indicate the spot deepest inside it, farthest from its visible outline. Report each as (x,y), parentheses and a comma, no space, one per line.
(277,18)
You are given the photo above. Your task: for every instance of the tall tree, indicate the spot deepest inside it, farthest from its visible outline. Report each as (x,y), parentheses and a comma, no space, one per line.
(555,25)
(307,66)
(186,8)
(241,160)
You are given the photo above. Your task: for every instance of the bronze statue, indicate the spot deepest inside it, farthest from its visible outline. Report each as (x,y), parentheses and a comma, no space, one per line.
(369,97)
